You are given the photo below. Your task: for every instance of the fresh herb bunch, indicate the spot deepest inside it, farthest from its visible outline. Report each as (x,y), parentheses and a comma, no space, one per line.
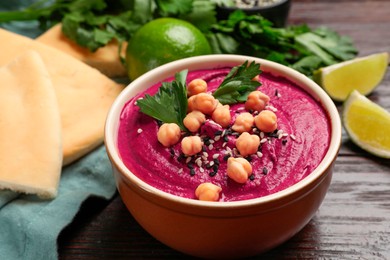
(298,46)
(169,104)
(94,23)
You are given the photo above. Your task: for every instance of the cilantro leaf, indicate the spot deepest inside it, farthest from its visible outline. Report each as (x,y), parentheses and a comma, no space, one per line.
(169,104)
(173,7)
(238,83)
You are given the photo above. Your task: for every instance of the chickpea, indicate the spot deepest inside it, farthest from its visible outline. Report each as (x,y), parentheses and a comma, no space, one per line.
(256,101)
(202,102)
(191,145)
(247,144)
(194,120)
(243,123)
(190,103)
(168,134)
(239,169)
(196,86)
(208,192)
(221,115)
(266,121)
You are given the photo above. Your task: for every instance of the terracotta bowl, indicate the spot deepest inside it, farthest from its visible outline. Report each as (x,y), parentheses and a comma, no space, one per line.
(222,229)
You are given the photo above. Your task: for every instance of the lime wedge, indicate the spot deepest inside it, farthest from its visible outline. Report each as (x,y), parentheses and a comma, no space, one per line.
(367,124)
(362,74)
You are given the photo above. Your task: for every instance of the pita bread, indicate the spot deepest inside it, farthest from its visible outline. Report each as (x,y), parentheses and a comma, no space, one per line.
(30,128)
(106,59)
(84,95)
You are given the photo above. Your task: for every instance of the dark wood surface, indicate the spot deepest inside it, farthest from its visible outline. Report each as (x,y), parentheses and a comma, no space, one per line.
(354,219)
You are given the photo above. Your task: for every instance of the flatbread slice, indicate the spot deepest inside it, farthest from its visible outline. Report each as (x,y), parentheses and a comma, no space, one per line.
(84,94)
(30,128)
(106,59)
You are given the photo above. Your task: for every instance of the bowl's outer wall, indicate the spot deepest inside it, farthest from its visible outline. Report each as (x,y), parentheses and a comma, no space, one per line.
(222,237)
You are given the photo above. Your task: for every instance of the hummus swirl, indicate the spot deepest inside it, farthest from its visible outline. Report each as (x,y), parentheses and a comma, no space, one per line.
(283,159)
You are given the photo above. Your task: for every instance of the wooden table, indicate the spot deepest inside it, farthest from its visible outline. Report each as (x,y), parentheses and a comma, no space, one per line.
(354,219)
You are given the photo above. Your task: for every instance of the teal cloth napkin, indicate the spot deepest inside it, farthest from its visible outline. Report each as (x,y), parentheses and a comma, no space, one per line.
(29,226)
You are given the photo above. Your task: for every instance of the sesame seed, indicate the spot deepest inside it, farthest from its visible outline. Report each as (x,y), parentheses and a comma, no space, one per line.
(224,144)
(224,132)
(218,132)
(201,169)
(139,130)
(211,141)
(216,162)
(198,161)
(293,137)
(180,157)
(188,159)
(226,157)
(217,138)
(280,132)
(263,140)
(259,154)
(211,163)
(180,171)
(205,154)
(211,147)
(215,156)
(262,135)
(272,108)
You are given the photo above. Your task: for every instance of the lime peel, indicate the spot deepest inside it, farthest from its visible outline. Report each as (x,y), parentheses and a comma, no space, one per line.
(363,74)
(367,124)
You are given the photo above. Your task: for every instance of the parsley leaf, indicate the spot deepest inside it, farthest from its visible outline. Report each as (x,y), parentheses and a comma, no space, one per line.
(238,83)
(169,104)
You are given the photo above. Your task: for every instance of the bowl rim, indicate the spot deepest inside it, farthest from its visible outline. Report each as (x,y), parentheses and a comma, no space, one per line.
(255,8)
(214,61)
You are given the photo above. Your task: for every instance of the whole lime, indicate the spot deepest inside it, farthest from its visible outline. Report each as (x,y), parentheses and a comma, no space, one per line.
(161,41)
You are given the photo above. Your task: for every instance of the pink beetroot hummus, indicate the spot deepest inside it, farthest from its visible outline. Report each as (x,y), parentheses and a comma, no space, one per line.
(285,157)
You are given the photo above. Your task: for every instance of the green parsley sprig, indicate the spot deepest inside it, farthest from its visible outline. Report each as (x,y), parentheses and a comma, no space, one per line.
(169,104)
(237,85)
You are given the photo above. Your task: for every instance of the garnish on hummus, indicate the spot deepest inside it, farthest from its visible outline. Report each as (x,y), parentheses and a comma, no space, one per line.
(235,140)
